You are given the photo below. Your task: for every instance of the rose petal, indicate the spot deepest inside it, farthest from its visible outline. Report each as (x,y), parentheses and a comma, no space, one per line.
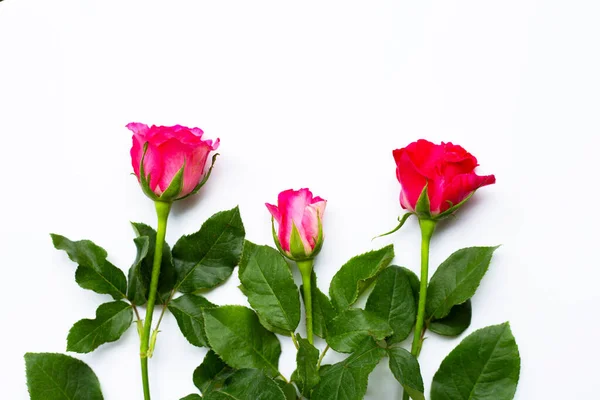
(456,161)
(462,186)
(274,212)
(138,128)
(174,154)
(194,168)
(310,222)
(410,178)
(425,156)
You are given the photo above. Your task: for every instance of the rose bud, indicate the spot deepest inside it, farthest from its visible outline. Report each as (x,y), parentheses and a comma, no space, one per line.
(300,231)
(169,161)
(436,179)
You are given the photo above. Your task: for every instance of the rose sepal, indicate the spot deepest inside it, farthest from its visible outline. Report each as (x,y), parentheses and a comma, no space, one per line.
(319,241)
(422,212)
(454,208)
(175,187)
(297,251)
(423,207)
(204,179)
(145,179)
(401,221)
(276,238)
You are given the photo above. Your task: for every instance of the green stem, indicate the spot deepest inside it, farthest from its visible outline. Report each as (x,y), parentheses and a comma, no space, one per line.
(293,336)
(305,268)
(427,228)
(145,382)
(162,212)
(322,357)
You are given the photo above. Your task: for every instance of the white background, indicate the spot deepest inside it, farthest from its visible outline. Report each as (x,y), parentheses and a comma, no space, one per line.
(317,94)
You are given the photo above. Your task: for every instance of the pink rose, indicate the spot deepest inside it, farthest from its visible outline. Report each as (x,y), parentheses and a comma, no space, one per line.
(446,169)
(299,216)
(169,157)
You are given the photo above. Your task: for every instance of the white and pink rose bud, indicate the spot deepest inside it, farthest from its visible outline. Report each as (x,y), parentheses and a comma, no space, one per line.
(299,218)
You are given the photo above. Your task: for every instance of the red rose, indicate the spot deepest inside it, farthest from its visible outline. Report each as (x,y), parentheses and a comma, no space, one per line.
(446,169)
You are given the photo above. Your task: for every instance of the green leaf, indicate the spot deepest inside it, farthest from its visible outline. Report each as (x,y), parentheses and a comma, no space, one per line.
(269,286)
(457,279)
(94,271)
(207,258)
(347,380)
(415,283)
(193,396)
(236,335)
(484,366)
(288,389)
(454,323)
(212,373)
(248,384)
(112,320)
(356,275)
(405,368)
(140,276)
(265,322)
(323,311)
(138,284)
(59,377)
(187,310)
(348,331)
(306,374)
(392,299)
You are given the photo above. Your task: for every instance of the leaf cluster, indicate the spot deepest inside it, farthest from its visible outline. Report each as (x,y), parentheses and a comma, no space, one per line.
(244,350)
